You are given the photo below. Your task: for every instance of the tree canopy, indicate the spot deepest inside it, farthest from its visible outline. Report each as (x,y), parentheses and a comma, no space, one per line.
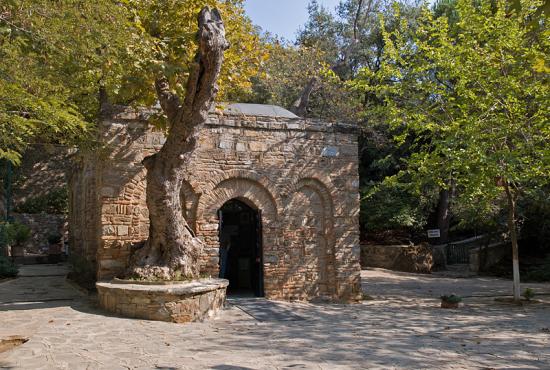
(472,99)
(57,59)
(476,104)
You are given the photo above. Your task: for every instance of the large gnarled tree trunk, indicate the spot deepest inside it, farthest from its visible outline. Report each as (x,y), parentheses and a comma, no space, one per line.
(172,252)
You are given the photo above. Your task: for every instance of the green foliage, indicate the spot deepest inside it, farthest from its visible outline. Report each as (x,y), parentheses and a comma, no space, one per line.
(447,9)
(330,48)
(170,29)
(13,234)
(475,105)
(7,268)
(51,99)
(54,202)
(392,205)
(388,200)
(285,74)
(351,39)
(528,294)
(21,233)
(77,48)
(451,298)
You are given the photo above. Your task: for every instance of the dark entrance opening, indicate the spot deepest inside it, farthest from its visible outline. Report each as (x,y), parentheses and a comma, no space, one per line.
(241,248)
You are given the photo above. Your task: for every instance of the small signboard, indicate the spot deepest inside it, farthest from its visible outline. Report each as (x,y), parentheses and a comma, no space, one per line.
(330,151)
(434,233)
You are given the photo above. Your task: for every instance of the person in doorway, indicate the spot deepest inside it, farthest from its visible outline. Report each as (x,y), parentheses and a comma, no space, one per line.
(225,246)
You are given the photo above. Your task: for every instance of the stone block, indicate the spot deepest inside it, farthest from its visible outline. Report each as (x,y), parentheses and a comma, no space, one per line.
(122,230)
(224,144)
(256,146)
(108,230)
(209,227)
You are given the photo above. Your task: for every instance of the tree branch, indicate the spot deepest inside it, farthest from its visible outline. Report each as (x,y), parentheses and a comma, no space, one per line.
(169,101)
(300,105)
(356,21)
(201,85)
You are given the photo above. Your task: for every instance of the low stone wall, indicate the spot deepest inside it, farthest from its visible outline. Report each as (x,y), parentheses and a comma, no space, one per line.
(407,258)
(179,302)
(482,259)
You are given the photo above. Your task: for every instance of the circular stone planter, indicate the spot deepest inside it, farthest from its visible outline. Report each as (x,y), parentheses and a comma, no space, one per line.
(178,302)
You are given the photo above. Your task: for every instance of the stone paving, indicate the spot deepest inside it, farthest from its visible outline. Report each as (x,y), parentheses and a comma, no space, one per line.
(401,328)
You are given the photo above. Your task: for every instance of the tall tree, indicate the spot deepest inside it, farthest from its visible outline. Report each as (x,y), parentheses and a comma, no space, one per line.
(172,251)
(79,52)
(476,105)
(282,79)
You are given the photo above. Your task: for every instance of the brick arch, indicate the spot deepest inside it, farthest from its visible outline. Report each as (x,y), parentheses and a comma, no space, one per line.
(219,177)
(134,194)
(135,187)
(324,191)
(320,181)
(317,262)
(246,189)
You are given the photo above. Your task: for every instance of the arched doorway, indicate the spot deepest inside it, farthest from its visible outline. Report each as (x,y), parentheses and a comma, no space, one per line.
(241,248)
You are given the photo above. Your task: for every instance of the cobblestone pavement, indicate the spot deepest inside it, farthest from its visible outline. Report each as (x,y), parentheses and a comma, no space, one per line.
(402,328)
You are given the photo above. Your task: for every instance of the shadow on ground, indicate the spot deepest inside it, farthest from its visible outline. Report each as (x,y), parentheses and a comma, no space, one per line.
(402,328)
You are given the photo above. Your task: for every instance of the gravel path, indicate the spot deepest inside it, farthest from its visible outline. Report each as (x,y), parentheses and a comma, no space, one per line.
(402,328)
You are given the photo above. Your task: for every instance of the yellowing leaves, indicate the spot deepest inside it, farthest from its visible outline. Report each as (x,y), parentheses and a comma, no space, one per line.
(540,66)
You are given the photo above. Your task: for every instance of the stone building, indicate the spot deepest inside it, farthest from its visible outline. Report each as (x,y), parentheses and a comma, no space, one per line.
(281,191)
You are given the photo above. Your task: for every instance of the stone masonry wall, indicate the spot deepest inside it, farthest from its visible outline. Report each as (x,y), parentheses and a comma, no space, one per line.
(42,225)
(408,258)
(302,176)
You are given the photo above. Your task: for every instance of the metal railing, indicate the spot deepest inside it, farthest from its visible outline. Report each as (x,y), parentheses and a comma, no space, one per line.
(459,252)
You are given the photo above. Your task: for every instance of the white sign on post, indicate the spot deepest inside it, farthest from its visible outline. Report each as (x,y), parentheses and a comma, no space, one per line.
(434,233)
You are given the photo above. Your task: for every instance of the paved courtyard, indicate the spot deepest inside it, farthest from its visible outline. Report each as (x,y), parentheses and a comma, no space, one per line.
(400,328)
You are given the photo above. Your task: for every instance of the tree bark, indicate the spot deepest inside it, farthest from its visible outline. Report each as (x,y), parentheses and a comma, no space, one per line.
(172,251)
(443,218)
(514,238)
(443,211)
(299,107)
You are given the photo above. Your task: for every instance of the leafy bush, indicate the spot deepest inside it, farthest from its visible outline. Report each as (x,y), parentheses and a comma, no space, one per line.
(55,202)
(451,298)
(528,294)
(392,207)
(21,233)
(7,268)
(13,234)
